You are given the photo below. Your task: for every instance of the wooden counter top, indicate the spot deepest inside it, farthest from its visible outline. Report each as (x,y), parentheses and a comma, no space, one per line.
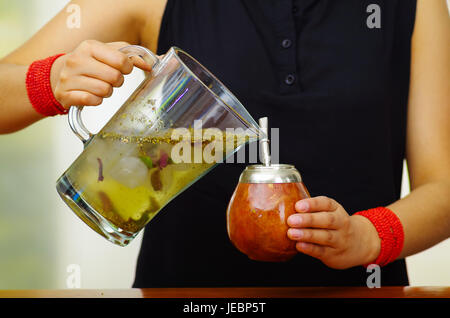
(267,292)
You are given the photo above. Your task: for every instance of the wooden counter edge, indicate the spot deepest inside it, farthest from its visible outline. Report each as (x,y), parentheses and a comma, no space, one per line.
(240,292)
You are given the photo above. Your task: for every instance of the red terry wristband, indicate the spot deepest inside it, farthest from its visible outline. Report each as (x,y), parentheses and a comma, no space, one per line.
(39,88)
(390,231)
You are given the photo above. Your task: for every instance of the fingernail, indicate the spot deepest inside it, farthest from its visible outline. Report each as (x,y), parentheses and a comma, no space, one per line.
(295,220)
(296,234)
(303,206)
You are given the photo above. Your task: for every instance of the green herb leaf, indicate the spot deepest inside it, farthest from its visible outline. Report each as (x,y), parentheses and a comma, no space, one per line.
(147,160)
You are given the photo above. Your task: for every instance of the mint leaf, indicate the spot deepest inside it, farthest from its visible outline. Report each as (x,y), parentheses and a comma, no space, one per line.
(147,160)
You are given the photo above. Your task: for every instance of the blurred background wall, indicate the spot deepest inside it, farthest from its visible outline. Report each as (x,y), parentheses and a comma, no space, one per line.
(40,238)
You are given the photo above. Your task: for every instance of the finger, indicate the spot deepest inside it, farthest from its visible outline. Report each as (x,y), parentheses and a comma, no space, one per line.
(321,220)
(118,44)
(139,62)
(316,236)
(111,56)
(98,70)
(312,249)
(135,60)
(316,204)
(90,85)
(81,98)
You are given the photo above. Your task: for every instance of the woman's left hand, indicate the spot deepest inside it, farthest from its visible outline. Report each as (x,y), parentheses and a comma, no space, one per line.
(324,230)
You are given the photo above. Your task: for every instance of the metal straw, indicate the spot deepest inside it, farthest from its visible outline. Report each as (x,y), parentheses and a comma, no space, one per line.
(264,141)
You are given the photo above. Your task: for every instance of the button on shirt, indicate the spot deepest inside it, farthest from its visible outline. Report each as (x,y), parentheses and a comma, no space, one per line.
(286,43)
(290,79)
(278,23)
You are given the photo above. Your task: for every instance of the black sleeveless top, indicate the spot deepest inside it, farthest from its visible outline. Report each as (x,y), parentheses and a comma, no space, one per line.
(334,78)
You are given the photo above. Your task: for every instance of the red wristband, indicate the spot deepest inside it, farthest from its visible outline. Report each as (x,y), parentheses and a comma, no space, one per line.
(390,231)
(39,88)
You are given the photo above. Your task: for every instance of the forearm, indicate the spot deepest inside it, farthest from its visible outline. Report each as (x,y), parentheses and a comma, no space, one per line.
(120,21)
(16,111)
(425,216)
(425,213)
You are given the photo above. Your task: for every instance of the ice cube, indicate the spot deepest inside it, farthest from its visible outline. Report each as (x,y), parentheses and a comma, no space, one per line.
(150,150)
(124,148)
(129,171)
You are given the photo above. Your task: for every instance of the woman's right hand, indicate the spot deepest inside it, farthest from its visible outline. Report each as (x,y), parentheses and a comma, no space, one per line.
(88,74)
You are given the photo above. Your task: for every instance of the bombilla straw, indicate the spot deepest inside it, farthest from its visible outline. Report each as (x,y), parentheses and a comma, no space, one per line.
(264,141)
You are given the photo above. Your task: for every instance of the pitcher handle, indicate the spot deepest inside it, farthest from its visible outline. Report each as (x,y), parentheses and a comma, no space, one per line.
(75,121)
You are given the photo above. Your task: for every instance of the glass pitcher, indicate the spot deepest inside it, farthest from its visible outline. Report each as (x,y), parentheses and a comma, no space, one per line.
(176,126)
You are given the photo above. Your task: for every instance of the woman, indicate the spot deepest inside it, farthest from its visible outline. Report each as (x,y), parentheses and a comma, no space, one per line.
(355,87)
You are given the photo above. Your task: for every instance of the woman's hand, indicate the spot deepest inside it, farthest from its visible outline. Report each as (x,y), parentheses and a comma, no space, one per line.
(88,74)
(324,230)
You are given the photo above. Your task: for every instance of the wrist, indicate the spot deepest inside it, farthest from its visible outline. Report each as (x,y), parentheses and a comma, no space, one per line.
(390,232)
(370,242)
(55,71)
(39,87)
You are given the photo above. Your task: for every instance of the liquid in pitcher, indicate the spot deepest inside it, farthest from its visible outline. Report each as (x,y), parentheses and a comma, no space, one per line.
(129,179)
